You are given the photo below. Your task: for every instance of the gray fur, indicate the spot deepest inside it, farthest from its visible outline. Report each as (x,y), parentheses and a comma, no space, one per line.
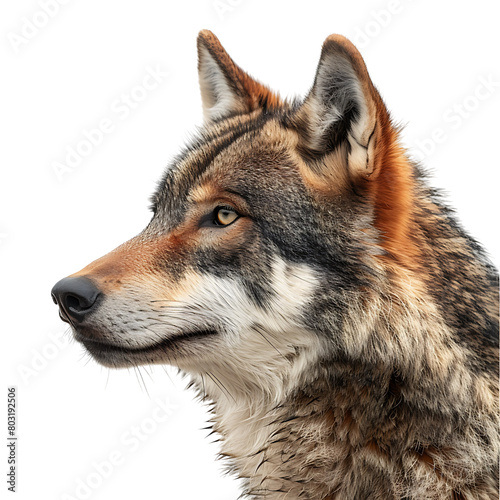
(336,368)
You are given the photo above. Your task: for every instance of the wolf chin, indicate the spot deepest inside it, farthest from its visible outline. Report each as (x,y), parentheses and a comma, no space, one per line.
(315,290)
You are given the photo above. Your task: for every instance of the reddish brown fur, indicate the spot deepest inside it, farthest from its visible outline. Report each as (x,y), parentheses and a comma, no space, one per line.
(392,194)
(136,259)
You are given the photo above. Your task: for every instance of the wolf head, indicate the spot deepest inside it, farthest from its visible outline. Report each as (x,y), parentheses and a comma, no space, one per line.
(265,230)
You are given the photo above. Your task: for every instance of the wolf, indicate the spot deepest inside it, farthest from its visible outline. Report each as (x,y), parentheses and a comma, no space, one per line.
(316,291)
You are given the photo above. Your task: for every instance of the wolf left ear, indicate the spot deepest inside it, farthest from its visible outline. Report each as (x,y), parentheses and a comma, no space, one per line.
(225,88)
(343,108)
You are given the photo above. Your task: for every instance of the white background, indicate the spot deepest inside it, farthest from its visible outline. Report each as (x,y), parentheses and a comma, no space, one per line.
(426,57)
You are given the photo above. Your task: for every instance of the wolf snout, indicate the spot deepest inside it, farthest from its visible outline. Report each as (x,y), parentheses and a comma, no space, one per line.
(76,298)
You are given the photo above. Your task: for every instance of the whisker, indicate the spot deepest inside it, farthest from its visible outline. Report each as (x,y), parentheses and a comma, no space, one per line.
(143,381)
(220,385)
(140,379)
(257,329)
(168,374)
(203,386)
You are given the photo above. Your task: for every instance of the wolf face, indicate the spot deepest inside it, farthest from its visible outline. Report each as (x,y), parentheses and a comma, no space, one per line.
(251,224)
(299,269)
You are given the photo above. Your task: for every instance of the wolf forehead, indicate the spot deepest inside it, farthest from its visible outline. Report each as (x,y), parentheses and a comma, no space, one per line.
(243,154)
(254,163)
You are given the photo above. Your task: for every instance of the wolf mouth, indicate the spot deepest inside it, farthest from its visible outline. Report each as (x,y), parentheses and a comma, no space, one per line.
(100,349)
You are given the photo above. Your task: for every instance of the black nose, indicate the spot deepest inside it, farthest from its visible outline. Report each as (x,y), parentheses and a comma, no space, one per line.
(76,297)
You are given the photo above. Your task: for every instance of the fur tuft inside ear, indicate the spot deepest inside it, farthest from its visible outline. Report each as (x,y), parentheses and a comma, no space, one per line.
(225,88)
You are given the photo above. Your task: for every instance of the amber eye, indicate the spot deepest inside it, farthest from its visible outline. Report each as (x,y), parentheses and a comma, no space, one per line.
(223,216)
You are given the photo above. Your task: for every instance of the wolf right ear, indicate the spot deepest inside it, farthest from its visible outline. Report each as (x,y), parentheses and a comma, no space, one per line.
(225,88)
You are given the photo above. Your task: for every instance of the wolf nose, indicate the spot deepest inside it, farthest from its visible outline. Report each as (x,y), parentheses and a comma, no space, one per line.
(75,297)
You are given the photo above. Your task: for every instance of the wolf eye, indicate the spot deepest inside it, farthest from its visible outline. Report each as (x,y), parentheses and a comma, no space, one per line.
(223,216)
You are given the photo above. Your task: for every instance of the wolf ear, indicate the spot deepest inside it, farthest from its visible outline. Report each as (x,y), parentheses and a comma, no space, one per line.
(225,88)
(343,107)
(344,114)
